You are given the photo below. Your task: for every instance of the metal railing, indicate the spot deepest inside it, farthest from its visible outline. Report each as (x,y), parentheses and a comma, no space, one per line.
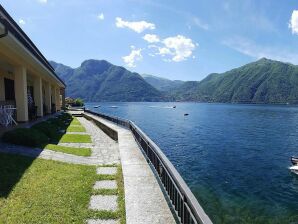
(182,199)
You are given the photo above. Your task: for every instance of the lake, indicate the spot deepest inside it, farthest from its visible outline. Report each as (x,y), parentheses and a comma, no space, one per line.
(234,158)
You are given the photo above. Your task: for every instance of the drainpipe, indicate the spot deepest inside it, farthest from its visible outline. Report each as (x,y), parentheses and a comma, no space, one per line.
(3,21)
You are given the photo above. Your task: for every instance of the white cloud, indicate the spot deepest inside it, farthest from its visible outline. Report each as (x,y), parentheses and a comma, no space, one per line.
(138,26)
(151,38)
(100,16)
(250,48)
(135,55)
(43,1)
(163,51)
(22,22)
(294,22)
(180,46)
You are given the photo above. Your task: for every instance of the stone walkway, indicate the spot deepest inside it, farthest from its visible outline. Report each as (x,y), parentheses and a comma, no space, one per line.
(99,202)
(104,147)
(144,200)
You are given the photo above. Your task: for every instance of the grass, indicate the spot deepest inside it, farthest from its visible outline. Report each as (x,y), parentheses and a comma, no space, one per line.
(48,133)
(73,128)
(120,213)
(44,191)
(75,121)
(69,150)
(75,138)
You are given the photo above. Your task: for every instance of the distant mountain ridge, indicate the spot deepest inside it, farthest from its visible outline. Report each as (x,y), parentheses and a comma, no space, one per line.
(162,84)
(99,80)
(264,81)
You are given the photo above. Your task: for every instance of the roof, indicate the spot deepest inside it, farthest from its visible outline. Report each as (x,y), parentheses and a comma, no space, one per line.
(21,36)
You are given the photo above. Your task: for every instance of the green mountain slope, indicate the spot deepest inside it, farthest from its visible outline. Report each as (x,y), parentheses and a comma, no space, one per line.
(263,81)
(99,80)
(162,84)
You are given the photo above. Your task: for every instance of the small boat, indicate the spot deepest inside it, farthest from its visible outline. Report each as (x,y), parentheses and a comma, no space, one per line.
(294,169)
(113,106)
(174,106)
(97,106)
(294,160)
(186,114)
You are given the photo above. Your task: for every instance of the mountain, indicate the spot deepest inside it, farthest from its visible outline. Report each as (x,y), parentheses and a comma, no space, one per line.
(264,81)
(162,84)
(99,80)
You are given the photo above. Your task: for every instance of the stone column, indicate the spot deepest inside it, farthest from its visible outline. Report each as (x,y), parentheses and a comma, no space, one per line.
(21,93)
(38,96)
(2,89)
(58,99)
(48,101)
(54,96)
(63,97)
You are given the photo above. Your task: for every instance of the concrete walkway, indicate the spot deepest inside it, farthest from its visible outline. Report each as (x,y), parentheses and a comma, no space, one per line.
(144,200)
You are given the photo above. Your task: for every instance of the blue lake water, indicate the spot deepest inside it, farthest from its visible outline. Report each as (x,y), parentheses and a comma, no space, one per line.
(235,158)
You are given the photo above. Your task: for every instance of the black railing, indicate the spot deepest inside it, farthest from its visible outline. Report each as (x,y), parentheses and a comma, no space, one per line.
(182,199)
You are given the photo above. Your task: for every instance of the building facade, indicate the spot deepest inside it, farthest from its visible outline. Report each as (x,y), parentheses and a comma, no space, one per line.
(27,80)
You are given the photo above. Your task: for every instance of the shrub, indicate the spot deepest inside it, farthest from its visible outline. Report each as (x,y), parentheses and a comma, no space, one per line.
(25,136)
(50,130)
(78,103)
(57,122)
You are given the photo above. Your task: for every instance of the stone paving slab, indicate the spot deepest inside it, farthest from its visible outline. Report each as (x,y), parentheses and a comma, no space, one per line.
(103,202)
(77,145)
(76,133)
(101,221)
(107,170)
(49,154)
(105,184)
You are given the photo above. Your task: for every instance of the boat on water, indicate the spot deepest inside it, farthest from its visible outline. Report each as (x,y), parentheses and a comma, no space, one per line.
(174,106)
(294,160)
(97,106)
(113,106)
(294,169)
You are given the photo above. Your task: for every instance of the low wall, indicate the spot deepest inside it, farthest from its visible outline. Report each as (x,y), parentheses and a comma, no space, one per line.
(109,131)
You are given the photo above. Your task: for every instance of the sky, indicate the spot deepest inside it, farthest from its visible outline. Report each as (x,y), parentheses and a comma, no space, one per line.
(183,40)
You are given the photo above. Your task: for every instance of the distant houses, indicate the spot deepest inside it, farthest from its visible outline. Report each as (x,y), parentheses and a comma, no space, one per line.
(27,81)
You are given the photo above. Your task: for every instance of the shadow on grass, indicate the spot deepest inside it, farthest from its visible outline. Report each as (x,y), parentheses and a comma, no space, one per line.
(13,167)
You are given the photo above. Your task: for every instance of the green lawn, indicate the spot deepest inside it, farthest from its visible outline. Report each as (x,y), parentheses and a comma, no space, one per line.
(75,138)
(75,121)
(44,191)
(69,150)
(73,128)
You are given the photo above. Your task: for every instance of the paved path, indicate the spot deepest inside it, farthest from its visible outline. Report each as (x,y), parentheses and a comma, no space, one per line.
(104,147)
(144,200)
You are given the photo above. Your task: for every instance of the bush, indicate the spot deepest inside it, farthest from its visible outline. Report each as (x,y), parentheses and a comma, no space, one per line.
(57,122)
(25,136)
(50,130)
(78,103)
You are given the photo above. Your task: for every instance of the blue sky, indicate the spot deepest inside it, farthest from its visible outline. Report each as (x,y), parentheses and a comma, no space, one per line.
(184,40)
